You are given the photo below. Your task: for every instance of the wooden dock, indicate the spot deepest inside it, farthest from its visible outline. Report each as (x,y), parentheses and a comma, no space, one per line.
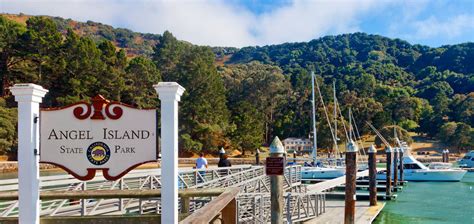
(365,214)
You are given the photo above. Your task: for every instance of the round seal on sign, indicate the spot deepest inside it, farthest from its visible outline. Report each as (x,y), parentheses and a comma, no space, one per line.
(98,153)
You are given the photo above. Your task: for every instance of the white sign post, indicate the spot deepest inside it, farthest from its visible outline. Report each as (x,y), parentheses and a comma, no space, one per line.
(28,97)
(170,94)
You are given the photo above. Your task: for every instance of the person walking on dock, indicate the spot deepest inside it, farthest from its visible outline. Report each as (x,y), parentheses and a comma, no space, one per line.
(201,162)
(224,161)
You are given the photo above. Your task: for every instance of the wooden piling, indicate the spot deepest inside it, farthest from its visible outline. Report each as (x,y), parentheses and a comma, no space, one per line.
(400,154)
(372,175)
(351,175)
(395,167)
(388,191)
(276,185)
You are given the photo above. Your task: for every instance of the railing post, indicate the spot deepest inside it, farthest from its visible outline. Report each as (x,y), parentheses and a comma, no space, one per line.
(28,96)
(195,177)
(170,94)
(185,204)
(324,202)
(372,175)
(288,208)
(83,201)
(257,157)
(237,208)
(229,213)
(351,174)
(395,167)
(316,202)
(388,190)
(121,184)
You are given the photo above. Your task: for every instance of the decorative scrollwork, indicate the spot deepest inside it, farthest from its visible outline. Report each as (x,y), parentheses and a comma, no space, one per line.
(117,111)
(96,108)
(79,112)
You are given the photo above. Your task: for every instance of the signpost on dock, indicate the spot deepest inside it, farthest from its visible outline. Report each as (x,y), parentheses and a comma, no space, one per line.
(275,166)
(276,180)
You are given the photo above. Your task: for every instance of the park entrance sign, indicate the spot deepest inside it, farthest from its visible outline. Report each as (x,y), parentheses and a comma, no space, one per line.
(108,136)
(83,138)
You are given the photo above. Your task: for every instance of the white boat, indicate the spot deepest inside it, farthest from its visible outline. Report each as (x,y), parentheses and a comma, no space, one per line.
(468,160)
(413,170)
(322,172)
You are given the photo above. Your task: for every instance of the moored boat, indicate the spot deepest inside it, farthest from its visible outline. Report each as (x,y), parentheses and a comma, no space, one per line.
(322,172)
(416,171)
(467,161)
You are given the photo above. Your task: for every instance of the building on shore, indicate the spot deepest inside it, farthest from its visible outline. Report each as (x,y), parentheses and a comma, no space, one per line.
(300,145)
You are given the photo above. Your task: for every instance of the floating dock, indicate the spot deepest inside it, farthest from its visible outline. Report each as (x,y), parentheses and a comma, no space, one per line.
(334,214)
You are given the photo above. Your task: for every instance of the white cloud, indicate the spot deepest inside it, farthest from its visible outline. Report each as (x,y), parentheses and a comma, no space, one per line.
(450,28)
(212,22)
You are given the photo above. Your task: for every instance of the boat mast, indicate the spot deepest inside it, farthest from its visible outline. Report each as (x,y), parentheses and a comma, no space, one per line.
(350,125)
(315,143)
(335,117)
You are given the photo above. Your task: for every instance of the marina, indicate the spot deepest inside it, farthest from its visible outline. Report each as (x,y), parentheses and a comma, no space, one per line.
(236,112)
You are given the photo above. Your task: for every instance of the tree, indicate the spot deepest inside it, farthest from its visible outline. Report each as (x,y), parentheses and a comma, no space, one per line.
(462,136)
(204,113)
(141,74)
(249,126)
(446,132)
(263,85)
(9,33)
(8,134)
(40,46)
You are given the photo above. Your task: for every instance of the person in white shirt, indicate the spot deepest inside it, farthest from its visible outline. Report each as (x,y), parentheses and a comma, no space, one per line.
(201,162)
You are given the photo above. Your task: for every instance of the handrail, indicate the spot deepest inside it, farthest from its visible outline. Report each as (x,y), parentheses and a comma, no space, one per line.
(224,203)
(110,194)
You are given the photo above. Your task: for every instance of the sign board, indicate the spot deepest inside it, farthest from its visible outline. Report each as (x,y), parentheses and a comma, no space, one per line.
(275,166)
(107,136)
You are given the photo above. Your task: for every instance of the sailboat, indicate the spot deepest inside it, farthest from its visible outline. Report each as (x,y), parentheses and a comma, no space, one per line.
(318,171)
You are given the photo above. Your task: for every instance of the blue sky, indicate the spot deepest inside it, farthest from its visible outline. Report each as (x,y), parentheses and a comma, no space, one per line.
(252,22)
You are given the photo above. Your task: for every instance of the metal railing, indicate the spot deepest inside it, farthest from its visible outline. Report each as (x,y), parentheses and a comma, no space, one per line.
(135,180)
(255,207)
(253,202)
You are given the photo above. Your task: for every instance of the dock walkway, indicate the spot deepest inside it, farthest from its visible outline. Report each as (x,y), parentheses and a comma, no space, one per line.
(334,214)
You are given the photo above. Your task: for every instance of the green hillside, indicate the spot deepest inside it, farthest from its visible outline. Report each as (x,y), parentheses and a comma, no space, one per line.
(241,98)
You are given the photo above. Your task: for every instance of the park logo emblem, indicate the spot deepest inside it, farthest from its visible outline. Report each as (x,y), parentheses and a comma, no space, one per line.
(98,153)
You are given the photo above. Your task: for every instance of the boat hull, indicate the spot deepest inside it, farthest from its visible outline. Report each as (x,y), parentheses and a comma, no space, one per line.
(430,175)
(322,172)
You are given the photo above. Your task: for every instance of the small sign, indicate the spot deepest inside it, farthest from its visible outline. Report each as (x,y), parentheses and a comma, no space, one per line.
(108,136)
(275,166)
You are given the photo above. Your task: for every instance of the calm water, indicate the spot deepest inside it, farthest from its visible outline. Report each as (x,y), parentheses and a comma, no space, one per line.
(431,202)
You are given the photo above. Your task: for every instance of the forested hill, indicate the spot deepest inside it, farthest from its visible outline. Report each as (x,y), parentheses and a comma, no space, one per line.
(241,98)
(134,43)
(332,55)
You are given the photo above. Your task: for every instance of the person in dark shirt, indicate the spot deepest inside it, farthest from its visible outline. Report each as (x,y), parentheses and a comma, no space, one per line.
(224,161)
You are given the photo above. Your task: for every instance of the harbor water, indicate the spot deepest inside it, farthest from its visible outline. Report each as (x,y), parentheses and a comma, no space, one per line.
(432,202)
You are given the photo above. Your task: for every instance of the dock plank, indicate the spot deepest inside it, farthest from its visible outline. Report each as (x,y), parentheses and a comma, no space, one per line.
(365,214)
